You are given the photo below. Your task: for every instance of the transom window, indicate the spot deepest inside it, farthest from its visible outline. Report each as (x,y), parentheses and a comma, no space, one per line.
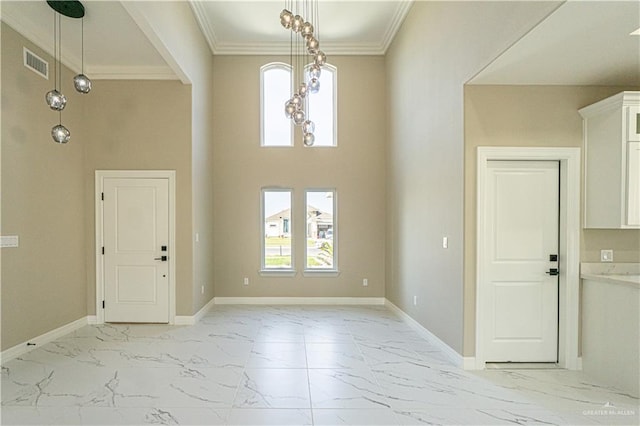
(275,84)
(322,107)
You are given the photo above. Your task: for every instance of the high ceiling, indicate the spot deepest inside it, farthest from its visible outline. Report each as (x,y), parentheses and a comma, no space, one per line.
(580,43)
(346,26)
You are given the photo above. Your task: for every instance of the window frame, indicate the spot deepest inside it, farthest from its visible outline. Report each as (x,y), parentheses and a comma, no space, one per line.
(334,271)
(263,69)
(277,271)
(334,72)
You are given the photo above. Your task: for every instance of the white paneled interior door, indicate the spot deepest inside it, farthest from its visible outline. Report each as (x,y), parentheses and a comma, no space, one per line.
(518,288)
(136,239)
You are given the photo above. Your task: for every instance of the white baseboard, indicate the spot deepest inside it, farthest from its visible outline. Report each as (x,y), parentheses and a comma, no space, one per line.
(579,363)
(192,319)
(47,337)
(454,356)
(469,363)
(184,320)
(92,319)
(299,300)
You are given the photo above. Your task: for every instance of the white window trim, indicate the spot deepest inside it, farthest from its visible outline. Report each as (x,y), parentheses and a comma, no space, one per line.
(334,73)
(284,272)
(263,69)
(335,271)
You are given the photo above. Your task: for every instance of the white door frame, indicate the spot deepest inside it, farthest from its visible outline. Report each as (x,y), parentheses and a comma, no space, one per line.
(99,188)
(569,248)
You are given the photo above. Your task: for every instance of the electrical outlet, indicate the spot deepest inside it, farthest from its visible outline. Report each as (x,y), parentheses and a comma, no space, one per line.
(246,281)
(606,255)
(415,300)
(365,282)
(201,289)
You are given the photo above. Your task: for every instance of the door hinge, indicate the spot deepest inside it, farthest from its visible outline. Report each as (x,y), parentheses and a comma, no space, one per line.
(102,196)
(103,304)
(102,250)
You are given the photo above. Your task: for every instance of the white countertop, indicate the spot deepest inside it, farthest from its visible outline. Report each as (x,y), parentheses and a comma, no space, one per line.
(612,273)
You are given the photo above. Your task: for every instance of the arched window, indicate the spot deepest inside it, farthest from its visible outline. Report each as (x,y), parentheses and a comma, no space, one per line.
(275,85)
(322,107)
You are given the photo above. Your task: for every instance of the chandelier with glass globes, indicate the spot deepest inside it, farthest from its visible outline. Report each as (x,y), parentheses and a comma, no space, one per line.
(55,99)
(308,42)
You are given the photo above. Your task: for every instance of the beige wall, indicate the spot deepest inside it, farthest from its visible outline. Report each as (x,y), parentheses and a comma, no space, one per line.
(440,46)
(202,178)
(48,189)
(355,169)
(131,126)
(528,116)
(44,280)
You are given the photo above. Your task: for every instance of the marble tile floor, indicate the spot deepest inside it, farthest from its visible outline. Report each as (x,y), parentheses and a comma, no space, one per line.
(286,365)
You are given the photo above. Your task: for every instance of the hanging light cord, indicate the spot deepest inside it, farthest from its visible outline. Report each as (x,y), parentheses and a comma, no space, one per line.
(82,38)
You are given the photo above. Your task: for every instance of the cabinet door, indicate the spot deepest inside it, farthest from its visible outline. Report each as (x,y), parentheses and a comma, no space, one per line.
(633,124)
(633,184)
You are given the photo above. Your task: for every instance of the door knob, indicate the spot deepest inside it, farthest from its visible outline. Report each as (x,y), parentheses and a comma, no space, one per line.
(552,271)
(162,258)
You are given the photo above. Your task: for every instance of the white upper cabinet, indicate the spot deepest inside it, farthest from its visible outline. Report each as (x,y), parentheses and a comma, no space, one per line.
(611,131)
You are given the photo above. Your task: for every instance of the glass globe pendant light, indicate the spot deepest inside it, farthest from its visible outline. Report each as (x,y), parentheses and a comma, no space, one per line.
(308,82)
(299,117)
(54,98)
(81,82)
(308,139)
(314,85)
(285,18)
(60,134)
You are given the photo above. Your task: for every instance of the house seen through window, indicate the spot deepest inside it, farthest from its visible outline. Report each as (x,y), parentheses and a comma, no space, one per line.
(277,244)
(320,230)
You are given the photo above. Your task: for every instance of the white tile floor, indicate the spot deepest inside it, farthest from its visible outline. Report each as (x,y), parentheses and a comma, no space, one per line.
(286,365)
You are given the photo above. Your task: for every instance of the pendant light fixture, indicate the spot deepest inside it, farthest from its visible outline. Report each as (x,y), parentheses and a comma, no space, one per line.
(81,82)
(55,98)
(309,31)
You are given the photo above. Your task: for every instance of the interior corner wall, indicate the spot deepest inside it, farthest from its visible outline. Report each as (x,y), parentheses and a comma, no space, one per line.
(545,116)
(439,47)
(42,200)
(202,181)
(131,126)
(174,31)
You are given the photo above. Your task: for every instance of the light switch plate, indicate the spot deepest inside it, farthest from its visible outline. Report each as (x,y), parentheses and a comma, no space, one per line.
(7,241)
(606,255)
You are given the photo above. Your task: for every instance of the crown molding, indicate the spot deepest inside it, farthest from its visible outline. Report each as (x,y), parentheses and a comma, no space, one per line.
(396,22)
(207,30)
(282,48)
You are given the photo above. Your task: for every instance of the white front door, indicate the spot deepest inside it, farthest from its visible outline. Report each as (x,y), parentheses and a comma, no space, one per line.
(519,292)
(136,237)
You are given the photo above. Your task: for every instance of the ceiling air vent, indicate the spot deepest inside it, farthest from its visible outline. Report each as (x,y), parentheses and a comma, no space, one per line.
(36,63)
